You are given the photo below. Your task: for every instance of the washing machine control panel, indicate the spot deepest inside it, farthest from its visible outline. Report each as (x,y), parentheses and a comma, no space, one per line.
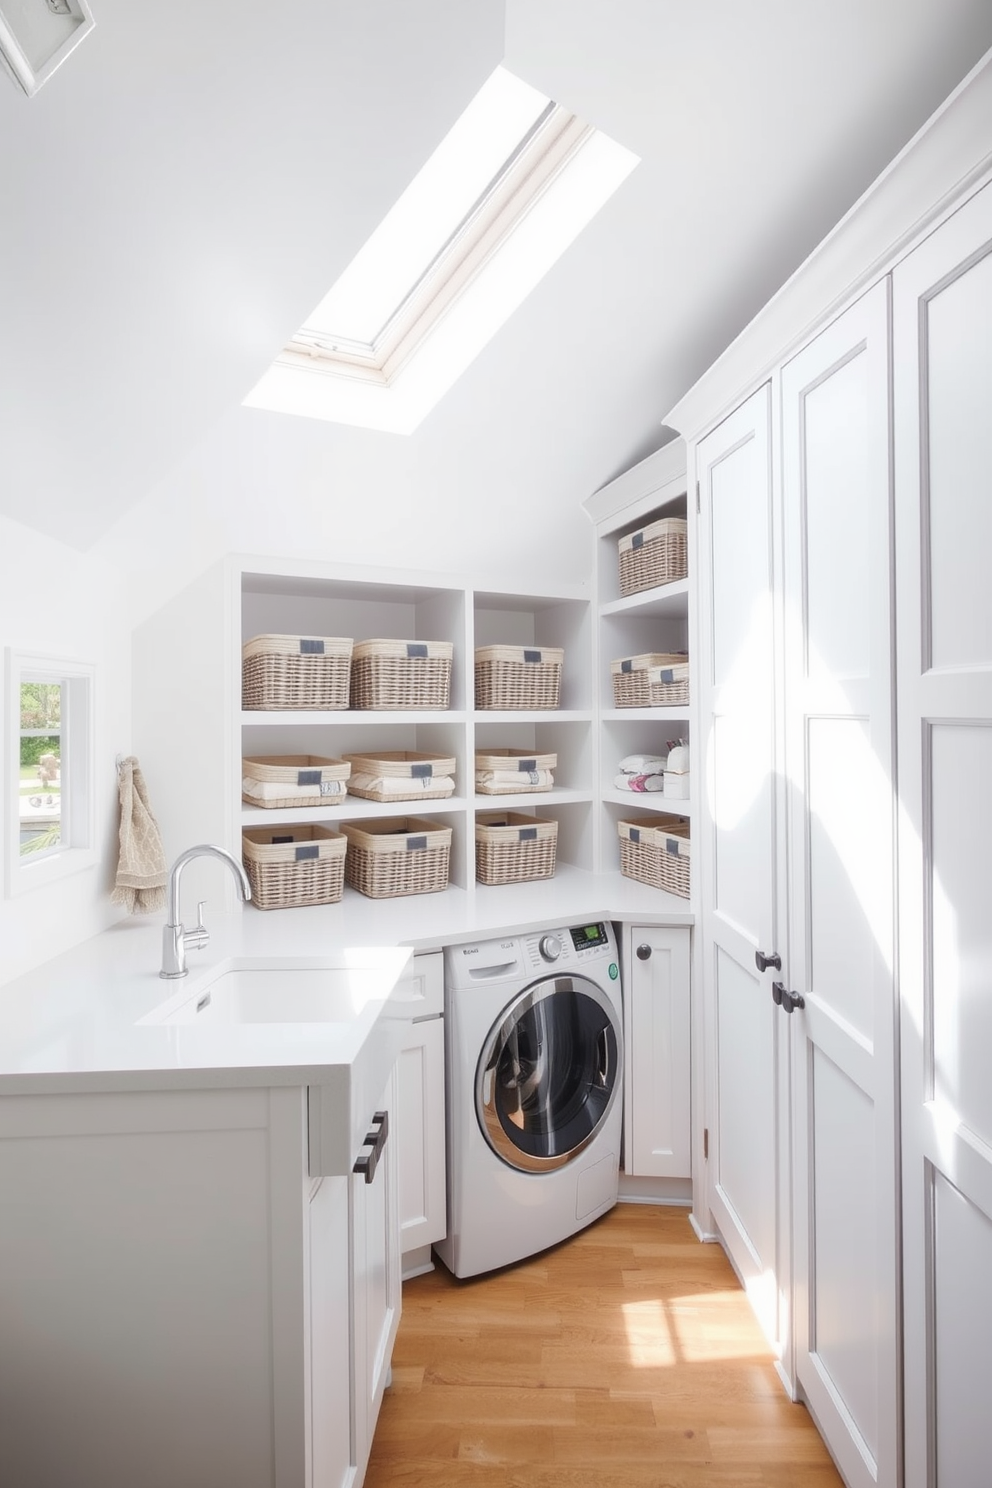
(550,947)
(588,937)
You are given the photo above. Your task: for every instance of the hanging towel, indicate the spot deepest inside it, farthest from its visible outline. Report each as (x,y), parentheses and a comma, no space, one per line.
(142,871)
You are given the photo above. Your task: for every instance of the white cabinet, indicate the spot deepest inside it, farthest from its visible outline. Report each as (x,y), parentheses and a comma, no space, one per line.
(235,1315)
(791,437)
(656,1051)
(375,1275)
(942,337)
(420,1112)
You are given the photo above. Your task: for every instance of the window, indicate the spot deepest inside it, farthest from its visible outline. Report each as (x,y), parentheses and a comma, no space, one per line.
(49,788)
(511,185)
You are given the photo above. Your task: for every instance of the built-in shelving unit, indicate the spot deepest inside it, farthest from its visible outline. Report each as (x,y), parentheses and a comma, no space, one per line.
(654,620)
(188,698)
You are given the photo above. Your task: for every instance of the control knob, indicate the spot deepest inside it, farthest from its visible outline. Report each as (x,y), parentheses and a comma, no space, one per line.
(550,947)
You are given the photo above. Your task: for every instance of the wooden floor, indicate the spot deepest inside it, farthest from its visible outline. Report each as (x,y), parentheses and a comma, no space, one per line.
(627,1357)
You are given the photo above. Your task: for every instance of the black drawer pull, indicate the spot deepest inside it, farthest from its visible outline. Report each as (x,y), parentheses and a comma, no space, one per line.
(367,1162)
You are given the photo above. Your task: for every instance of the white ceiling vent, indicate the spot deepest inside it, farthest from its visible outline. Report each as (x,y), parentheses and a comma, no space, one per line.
(36,35)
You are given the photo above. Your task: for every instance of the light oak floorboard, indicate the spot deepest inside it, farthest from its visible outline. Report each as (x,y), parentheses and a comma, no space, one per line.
(628,1357)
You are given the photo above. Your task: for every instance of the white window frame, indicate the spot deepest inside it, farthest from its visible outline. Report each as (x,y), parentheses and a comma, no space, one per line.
(77,850)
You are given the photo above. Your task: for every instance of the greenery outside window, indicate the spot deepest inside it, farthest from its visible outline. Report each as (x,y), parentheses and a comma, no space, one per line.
(49,784)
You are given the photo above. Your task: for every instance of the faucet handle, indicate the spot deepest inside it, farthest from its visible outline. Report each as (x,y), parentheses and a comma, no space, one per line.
(199,936)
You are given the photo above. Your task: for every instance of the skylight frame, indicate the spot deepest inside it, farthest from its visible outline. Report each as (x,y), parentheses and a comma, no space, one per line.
(554,180)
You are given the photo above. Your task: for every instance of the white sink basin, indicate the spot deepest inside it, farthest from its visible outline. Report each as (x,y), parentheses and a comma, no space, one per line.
(281,993)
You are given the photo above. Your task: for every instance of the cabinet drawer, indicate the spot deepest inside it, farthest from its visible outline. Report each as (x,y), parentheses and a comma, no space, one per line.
(421,988)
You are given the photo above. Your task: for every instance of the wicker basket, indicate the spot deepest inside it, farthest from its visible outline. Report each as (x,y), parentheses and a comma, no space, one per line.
(515,762)
(401,674)
(518,676)
(396,856)
(513,848)
(292,866)
(279,671)
(294,780)
(658,554)
(428,777)
(655,850)
(656,680)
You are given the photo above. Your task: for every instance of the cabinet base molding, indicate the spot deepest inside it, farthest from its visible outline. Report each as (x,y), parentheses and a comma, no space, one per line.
(416,1262)
(675,1191)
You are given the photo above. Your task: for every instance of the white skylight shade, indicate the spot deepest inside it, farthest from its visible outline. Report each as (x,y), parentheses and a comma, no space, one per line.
(510,199)
(433,206)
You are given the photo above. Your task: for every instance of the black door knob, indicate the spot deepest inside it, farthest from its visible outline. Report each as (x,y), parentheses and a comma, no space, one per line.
(763,961)
(783,998)
(643,953)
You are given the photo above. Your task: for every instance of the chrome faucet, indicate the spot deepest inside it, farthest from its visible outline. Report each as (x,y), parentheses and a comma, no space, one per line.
(175,939)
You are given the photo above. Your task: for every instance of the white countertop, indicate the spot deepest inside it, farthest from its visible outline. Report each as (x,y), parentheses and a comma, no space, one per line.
(73,1024)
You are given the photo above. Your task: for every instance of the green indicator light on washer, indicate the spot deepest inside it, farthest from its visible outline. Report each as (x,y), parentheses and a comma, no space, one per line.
(614,971)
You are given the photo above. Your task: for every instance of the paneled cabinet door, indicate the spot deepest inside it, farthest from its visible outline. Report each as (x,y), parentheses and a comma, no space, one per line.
(421,1135)
(838,710)
(746,1041)
(375,1254)
(942,341)
(656,1036)
(329,1434)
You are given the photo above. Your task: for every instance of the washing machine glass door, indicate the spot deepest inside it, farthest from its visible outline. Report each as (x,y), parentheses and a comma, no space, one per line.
(549,1073)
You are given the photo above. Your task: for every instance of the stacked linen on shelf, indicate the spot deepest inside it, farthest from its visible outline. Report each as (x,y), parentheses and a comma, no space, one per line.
(641,773)
(500,782)
(264,792)
(400,787)
(677,772)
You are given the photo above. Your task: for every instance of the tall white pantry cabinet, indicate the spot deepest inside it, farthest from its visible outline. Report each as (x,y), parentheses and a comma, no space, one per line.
(840,460)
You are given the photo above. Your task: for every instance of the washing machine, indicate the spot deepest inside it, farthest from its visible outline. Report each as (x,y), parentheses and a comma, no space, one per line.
(534,1062)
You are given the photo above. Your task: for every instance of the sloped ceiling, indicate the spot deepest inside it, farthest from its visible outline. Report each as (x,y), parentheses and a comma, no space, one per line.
(190,182)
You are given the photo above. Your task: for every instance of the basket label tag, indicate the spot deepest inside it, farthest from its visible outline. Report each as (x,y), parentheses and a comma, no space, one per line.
(628,665)
(311,648)
(416,844)
(277,840)
(532,655)
(308,850)
(527,834)
(637,540)
(635,834)
(416,648)
(421,771)
(671,845)
(666,675)
(527,765)
(308,777)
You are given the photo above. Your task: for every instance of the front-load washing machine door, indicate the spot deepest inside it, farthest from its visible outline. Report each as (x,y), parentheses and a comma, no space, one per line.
(549,1073)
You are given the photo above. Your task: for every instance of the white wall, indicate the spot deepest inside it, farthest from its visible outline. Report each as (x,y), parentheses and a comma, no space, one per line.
(59,602)
(271,484)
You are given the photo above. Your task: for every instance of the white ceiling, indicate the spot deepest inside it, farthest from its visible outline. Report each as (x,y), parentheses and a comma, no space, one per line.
(188,185)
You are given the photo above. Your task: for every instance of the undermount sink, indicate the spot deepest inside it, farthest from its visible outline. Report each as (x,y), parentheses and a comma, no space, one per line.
(280,993)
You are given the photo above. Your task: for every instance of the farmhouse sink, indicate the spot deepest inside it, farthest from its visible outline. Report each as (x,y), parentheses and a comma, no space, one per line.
(286,991)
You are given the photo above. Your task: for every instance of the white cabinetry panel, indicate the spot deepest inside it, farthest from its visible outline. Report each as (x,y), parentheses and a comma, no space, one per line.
(962,1306)
(960,875)
(942,324)
(956,331)
(837,710)
(656,1054)
(844,1304)
(845,875)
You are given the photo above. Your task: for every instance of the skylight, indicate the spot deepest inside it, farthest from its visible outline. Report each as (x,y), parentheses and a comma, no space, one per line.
(506,191)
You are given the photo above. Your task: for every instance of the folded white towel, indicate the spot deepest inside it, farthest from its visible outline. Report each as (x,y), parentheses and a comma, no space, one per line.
(544,779)
(277,790)
(643,764)
(402,786)
(639,783)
